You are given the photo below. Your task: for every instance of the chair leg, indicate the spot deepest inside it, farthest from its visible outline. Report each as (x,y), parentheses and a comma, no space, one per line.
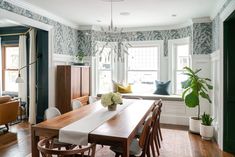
(157,147)
(152,148)
(159,130)
(7,127)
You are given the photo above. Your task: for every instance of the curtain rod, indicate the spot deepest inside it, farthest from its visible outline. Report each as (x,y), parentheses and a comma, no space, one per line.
(14,34)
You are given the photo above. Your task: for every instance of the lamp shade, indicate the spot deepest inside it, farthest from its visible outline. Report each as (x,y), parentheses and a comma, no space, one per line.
(19,79)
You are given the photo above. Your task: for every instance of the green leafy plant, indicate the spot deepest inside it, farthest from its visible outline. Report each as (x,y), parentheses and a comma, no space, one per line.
(206,119)
(194,88)
(80,55)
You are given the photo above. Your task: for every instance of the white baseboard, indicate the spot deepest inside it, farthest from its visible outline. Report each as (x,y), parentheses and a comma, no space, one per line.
(173,119)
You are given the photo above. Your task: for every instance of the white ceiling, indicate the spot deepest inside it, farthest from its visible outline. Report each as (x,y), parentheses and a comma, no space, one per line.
(142,12)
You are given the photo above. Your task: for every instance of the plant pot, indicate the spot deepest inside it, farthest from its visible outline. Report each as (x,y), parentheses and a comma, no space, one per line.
(194,125)
(206,132)
(112,107)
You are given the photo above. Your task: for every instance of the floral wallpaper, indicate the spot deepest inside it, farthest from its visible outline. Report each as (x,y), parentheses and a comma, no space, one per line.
(216,28)
(200,36)
(204,36)
(65,37)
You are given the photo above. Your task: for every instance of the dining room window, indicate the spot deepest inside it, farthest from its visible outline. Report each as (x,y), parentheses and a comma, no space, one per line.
(10,66)
(179,58)
(104,70)
(143,68)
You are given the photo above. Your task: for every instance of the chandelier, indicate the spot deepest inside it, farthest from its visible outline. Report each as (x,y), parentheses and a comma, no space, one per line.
(114,39)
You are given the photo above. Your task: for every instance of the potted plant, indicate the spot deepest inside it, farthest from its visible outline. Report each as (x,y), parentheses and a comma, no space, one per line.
(194,88)
(80,57)
(206,129)
(111,100)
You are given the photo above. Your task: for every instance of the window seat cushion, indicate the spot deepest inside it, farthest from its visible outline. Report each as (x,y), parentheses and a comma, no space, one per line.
(151,96)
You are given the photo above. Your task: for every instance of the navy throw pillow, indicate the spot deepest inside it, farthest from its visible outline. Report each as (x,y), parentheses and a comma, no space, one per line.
(162,88)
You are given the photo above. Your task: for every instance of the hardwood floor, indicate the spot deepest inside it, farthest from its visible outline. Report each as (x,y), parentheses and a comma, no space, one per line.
(177,142)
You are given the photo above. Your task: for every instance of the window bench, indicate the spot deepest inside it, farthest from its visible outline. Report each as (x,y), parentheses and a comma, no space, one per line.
(174,110)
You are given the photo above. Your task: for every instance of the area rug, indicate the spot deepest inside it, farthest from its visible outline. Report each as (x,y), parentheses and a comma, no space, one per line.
(7,139)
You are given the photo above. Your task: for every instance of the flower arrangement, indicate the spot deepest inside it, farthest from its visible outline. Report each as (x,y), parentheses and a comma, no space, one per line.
(111,99)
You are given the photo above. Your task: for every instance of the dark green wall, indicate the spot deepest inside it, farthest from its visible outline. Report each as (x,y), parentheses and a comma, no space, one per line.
(10,30)
(42,74)
(229,84)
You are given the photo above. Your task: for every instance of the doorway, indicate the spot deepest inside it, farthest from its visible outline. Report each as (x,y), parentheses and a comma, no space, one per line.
(229,84)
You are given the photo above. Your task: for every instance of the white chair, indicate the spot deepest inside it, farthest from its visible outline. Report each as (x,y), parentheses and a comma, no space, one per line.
(52,112)
(92,99)
(75,104)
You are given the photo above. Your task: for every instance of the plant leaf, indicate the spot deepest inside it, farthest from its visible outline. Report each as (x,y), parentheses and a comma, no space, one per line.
(205,96)
(191,100)
(209,86)
(185,91)
(197,71)
(186,84)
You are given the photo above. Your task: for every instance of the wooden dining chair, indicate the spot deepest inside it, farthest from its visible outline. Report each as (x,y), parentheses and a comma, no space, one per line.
(47,148)
(160,110)
(140,147)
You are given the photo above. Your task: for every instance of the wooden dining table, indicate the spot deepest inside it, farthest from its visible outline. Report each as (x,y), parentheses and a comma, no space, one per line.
(119,130)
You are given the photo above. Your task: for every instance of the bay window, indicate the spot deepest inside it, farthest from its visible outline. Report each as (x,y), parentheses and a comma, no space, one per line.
(104,70)
(143,67)
(179,57)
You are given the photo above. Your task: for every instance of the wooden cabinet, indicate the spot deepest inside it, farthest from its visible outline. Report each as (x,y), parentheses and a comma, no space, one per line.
(71,82)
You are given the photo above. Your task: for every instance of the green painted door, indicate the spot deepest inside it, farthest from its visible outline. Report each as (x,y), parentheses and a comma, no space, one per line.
(229,84)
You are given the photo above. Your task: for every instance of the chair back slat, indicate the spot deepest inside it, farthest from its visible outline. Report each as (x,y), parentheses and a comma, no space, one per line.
(143,137)
(47,149)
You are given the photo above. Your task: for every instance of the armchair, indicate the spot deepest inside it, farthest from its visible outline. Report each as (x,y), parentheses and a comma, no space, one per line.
(8,110)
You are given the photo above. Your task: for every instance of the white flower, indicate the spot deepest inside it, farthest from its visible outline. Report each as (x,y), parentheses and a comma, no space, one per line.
(117,99)
(111,98)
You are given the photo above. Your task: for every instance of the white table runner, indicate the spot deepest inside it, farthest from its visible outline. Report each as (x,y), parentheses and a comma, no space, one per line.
(77,132)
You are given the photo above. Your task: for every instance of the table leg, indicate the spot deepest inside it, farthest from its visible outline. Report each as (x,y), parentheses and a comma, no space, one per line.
(34,140)
(126,149)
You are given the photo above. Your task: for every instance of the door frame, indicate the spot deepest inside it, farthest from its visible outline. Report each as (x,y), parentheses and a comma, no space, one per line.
(37,24)
(223,16)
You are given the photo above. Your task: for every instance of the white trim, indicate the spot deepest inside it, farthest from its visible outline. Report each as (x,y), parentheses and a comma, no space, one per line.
(30,22)
(215,55)
(201,20)
(134,29)
(63,58)
(217,8)
(25,5)
(223,16)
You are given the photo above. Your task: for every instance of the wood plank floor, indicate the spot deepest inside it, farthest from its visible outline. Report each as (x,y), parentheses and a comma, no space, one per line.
(178,142)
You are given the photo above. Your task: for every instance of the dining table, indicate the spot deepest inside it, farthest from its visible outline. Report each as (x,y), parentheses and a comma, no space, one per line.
(119,130)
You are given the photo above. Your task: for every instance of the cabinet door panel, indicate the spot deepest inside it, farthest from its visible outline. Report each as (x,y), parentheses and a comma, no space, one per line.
(75,82)
(85,81)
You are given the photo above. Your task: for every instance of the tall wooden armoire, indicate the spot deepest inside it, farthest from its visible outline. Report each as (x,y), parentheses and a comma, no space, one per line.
(71,82)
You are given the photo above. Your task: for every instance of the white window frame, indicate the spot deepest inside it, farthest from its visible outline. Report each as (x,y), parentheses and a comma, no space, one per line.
(153,43)
(95,69)
(172,59)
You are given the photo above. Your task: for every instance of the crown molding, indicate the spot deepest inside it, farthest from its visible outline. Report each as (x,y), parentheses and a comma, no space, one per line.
(135,29)
(42,12)
(201,20)
(219,4)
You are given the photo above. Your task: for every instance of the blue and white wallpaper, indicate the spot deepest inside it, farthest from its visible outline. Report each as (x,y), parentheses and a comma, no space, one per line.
(200,36)
(204,36)
(216,28)
(65,37)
